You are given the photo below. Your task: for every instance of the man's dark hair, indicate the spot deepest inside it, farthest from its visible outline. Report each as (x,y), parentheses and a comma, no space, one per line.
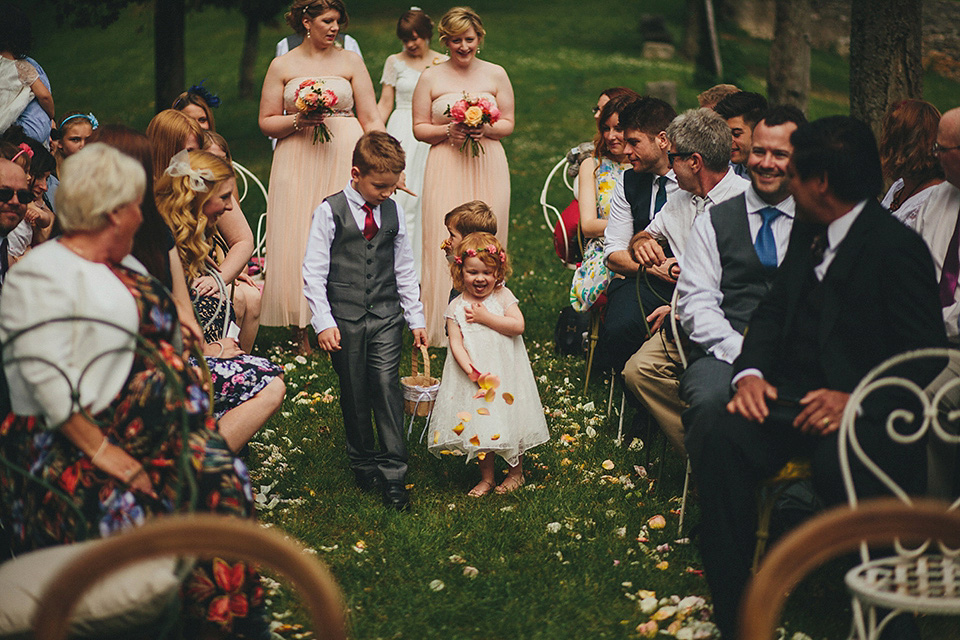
(646,114)
(845,151)
(747,104)
(782,114)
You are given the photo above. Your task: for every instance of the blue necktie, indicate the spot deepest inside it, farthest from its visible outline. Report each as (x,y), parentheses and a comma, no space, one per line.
(661,198)
(765,244)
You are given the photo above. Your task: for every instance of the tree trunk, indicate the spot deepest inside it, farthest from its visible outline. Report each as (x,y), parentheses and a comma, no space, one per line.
(692,30)
(248,58)
(788,76)
(714,39)
(885,56)
(168,47)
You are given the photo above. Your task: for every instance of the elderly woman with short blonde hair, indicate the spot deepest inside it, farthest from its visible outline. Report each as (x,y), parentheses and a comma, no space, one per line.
(108,418)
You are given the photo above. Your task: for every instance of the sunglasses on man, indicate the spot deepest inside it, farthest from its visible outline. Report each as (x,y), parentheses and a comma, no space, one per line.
(24,196)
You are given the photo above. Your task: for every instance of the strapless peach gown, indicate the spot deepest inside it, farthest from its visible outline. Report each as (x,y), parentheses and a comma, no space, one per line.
(302,175)
(451,178)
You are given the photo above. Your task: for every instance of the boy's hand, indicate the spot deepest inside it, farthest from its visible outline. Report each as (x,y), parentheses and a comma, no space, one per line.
(329,339)
(420,338)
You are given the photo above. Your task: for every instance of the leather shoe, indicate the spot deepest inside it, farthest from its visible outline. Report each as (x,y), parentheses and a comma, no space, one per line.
(396,496)
(369,481)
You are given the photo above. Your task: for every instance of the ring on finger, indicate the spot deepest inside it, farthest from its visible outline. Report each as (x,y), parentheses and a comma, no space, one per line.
(825,422)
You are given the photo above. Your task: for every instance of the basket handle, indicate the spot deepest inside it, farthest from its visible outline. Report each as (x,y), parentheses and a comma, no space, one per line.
(426,361)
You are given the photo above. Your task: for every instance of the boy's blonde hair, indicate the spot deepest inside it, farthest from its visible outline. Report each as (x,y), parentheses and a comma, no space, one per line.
(380,152)
(471,217)
(486,247)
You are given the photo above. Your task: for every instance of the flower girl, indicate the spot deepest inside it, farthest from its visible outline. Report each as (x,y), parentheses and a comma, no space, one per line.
(488,401)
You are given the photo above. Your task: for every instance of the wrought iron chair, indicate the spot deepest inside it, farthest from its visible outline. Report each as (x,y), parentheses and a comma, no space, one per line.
(831,534)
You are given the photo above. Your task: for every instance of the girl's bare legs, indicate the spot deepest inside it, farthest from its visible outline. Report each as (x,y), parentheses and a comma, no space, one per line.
(246,304)
(514,479)
(487,481)
(240,423)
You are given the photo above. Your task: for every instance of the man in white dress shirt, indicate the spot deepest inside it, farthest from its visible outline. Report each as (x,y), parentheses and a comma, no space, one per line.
(727,271)
(700,150)
(938,222)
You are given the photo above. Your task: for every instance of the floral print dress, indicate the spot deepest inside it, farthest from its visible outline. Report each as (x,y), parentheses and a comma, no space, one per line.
(161,418)
(592,276)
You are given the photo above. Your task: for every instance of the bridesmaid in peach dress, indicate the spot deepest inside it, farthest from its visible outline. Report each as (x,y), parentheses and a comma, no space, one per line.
(303,173)
(453,177)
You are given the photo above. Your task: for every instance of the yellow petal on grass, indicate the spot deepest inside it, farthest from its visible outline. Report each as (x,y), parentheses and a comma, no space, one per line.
(507,397)
(458,429)
(495,436)
(662,566)
(483,411)
(464,416)
(475,441)
(657,522)
(607,464)
(490,395)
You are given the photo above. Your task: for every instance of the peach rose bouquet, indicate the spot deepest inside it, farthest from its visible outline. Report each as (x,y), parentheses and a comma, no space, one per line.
(312,97)
(474,113)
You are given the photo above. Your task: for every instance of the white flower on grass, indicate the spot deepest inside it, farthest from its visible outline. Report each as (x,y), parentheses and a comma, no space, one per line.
(437,585)
(553,527)
(300,360)
(289,366)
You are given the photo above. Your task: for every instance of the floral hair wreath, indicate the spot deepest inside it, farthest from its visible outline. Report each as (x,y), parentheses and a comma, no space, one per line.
(211,99)
(180,166)
(499,254)
(86,116)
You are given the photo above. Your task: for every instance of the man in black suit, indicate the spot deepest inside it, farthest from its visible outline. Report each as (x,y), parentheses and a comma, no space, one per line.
(855,288)
(637,199)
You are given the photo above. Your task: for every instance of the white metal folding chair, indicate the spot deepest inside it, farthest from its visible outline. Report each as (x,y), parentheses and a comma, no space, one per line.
(925,578)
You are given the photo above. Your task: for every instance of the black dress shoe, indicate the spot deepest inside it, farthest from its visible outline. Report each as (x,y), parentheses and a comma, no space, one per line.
(369,481)
(395,496)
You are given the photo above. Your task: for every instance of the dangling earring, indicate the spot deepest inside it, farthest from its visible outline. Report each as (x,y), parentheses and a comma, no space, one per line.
(308,34)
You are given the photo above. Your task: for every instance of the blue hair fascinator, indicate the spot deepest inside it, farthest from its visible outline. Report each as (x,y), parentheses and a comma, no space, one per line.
(211,99)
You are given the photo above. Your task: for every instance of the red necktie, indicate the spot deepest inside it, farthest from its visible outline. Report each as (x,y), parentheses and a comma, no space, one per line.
(951,268)
(370,227)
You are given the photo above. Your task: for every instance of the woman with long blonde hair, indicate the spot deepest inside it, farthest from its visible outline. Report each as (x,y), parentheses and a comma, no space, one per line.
(193,192)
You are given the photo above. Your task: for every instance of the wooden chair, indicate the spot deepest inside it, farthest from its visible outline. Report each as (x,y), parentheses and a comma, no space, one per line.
(831,534)
(195,535)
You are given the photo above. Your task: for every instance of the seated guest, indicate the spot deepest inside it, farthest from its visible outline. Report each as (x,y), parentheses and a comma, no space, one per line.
(909,131)
(938,222)
(115,450)
(741,111)
(195,190)
(38,222)
(726,271)
(855,288)
(14,198)
(638,197)
(699,156)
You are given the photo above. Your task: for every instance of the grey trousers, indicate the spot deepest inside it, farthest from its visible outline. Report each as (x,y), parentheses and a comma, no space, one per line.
(368,365)
(705,386)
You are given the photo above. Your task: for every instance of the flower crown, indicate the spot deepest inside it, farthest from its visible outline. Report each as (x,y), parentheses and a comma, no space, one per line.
(211,99)
(180,166)
(499,254)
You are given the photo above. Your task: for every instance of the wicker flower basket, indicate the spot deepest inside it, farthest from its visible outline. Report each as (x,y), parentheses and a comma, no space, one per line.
(419,391)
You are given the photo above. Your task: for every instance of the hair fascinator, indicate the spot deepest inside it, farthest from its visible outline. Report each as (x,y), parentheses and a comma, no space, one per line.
(24,149)
(210,98)
(180,166)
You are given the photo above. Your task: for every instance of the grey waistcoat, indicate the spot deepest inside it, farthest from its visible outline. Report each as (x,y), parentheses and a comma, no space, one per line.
(743,280)
(362,278)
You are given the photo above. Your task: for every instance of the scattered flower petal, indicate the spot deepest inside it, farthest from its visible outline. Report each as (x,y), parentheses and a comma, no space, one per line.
(607,464)
(657,522)
(471,572)
(458,429)
(490,395)
(507,397)
(437,585)
(553,527)
(662,565)
(475,441)
(495,436)
(483,411)
(464,416)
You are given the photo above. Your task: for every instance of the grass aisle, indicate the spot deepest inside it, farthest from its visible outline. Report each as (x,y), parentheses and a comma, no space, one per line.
(577,552)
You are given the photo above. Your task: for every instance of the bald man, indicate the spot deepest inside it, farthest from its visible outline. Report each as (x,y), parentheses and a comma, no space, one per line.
(14,197)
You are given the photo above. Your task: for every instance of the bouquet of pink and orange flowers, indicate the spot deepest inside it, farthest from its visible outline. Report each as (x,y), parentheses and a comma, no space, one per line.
(312,98)
(473,112)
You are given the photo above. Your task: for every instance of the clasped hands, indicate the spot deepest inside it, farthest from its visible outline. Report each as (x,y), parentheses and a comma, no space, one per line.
(821,413)
(459,132)
(646,251)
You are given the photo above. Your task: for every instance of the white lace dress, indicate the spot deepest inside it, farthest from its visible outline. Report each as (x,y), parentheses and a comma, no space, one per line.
(512,421)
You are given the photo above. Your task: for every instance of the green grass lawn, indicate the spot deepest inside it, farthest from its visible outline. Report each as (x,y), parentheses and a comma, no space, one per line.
(572,554)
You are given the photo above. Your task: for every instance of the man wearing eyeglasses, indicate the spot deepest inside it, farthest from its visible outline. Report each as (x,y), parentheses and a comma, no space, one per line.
(938,222)
(14,197)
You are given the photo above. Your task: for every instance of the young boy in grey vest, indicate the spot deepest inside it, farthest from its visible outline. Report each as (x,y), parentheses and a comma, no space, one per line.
(360,282)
